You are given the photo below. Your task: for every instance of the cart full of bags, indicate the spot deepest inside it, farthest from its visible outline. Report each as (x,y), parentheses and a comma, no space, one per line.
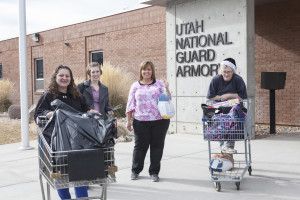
(228,123)
(76,149)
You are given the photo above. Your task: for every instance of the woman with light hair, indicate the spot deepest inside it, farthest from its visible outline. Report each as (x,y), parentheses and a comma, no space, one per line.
(225,86)
(95,93)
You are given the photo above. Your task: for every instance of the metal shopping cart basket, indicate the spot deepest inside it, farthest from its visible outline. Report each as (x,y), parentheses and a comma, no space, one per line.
(223,127)
(64,169)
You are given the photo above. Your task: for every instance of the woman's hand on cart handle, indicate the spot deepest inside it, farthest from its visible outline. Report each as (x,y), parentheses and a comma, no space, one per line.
(92,111)
(49,114)
(111,113)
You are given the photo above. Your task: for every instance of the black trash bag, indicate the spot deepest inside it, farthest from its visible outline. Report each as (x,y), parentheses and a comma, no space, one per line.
(73,130)
(225,109)
(209,111)
(48,129)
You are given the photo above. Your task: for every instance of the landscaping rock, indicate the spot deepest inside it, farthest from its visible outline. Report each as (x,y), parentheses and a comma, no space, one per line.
(14,112)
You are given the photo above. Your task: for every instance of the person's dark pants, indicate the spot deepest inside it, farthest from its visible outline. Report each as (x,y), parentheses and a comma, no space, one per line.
(79,192)
(153,134)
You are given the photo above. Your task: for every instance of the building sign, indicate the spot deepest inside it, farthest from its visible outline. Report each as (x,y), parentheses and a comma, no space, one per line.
(195,50)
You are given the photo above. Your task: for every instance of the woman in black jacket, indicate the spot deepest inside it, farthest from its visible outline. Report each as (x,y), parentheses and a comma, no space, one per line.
(62,87)
(95,93)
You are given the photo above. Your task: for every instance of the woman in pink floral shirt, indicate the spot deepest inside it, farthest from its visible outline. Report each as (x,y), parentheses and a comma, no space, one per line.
(149,127)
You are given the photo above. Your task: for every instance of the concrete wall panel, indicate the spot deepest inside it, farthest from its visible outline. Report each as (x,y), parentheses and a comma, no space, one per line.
(190,27)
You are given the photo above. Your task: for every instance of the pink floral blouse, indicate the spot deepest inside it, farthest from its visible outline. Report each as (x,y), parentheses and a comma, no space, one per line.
(142,100)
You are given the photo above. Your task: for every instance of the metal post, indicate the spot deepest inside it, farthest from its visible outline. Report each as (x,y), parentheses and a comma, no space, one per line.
(23,77)
(272,112)
(42,186)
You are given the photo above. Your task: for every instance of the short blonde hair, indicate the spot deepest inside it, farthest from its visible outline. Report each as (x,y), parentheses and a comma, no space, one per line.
(89,67)
(144,65)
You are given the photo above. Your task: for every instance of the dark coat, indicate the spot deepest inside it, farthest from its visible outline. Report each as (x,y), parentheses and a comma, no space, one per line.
(219,87)
(44,104)
(86,91)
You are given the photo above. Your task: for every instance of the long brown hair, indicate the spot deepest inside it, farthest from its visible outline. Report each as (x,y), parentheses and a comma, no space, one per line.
(53,86)
(144,65)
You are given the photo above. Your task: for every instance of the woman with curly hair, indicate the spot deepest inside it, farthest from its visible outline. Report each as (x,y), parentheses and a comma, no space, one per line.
(62,87)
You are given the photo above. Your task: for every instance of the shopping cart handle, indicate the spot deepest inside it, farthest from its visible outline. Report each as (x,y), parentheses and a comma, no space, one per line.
(117,107)
(41,120)
(94,115)
(204,119)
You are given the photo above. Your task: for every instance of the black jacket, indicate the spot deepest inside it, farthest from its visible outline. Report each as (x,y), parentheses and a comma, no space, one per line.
(86,91)
(44,104)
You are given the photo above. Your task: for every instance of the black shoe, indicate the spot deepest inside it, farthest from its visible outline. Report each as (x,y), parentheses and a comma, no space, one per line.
(134,176)
(154,177)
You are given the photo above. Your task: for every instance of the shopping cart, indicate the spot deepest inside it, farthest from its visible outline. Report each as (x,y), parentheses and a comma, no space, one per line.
(64,169)
(222,128)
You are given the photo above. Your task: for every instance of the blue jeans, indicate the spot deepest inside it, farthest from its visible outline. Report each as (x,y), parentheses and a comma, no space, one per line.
(79,192)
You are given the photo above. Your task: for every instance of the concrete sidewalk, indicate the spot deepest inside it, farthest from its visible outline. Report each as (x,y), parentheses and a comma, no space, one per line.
(184,173)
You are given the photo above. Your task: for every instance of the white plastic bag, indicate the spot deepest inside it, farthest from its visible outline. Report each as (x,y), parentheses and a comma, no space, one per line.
(165,106)
(220,164)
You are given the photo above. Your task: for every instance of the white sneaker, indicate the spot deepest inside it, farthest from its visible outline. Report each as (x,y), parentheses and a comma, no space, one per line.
(229,150)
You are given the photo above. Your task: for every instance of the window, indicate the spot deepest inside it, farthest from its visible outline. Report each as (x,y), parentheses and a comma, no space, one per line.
(0,70)
(97,56)
(39,74)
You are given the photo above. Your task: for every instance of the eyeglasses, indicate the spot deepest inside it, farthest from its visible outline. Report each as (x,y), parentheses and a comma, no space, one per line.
(227,72)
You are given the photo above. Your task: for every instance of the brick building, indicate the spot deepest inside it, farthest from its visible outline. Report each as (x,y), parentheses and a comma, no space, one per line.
(123,40)
(277,49)
(128,38)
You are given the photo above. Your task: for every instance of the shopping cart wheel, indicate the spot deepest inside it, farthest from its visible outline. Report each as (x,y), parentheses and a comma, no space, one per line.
(218,186)
(250,170)
(237,185)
